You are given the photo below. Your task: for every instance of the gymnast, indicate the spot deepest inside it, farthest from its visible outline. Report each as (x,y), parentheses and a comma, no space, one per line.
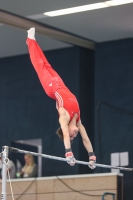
(66,103)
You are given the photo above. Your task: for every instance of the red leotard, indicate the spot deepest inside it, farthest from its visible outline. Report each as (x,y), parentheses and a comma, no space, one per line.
(51,81)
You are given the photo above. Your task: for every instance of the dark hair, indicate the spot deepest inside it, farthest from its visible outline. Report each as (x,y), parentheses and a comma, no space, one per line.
(60,133)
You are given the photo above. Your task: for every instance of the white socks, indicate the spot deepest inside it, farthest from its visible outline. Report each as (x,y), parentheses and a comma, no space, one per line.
(31,33)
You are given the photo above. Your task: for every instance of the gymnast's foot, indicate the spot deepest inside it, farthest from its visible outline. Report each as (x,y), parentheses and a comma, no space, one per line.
(31,33)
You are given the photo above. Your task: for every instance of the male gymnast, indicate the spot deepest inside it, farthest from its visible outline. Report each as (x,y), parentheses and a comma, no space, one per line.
(66,103)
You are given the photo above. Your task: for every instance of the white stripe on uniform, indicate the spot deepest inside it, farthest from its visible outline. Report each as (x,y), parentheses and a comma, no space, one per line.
(60,100)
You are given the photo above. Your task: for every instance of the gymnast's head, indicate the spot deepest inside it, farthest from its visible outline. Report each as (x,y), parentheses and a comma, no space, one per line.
(73,131)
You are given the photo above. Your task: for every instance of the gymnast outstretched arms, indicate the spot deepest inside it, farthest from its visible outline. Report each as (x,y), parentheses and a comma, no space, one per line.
(63,120)
(87,144)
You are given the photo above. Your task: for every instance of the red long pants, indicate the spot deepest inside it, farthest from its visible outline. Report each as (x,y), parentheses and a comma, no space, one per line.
(51,81)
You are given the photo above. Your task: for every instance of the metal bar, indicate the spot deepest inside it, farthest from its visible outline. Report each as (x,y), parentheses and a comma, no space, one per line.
(66,160)
(113,167)
(25,23)
(4,171)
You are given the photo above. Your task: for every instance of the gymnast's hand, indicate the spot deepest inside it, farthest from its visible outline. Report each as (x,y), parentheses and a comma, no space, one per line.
(92,160)
(92,164)
(70,158)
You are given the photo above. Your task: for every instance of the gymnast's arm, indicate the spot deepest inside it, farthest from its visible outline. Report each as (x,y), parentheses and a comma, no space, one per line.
(87,145)
(85,138)
(64,126)
(66,138)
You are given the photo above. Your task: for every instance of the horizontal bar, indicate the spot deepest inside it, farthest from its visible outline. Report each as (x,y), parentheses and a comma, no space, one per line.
(66,160)
(52,32)
(113,167)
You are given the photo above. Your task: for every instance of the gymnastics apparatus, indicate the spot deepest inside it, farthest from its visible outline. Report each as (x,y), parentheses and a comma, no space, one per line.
(5,160)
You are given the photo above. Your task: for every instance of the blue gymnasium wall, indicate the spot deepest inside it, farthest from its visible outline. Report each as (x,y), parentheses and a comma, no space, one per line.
(114,104)
(26,112)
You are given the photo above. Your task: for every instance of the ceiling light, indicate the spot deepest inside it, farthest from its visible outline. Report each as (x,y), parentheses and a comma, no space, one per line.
(87,7)
(118,2)
(76,9)
(36,16)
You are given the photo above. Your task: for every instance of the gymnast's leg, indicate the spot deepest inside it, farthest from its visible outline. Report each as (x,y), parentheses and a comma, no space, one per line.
(44,70)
